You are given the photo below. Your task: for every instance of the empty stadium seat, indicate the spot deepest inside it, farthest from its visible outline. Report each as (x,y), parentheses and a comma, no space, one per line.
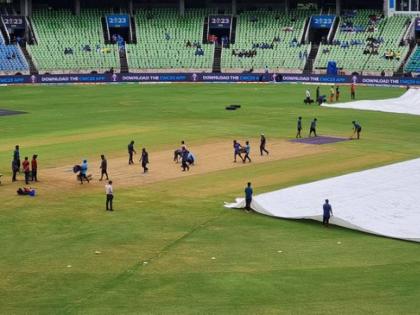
(58,30)
(162,35)
(262,26)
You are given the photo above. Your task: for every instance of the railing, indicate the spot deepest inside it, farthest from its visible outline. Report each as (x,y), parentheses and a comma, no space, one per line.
(409,33)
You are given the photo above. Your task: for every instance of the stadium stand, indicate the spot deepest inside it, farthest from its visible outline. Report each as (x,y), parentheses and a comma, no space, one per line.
(413,64)
(367,42)
(11,58)
(268,39)
(162,36)
(69,43)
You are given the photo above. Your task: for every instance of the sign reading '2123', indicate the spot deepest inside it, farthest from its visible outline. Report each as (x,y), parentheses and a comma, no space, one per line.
(118,20)
(220,21)
(322,21)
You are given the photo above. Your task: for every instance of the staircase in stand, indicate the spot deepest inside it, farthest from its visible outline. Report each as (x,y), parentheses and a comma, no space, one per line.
(123,61)
(407,57)
(205,30)
(311,58)
(233,33)
(32,67)
(217,60)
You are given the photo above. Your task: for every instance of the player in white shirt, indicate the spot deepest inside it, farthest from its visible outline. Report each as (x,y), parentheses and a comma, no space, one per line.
(109,191)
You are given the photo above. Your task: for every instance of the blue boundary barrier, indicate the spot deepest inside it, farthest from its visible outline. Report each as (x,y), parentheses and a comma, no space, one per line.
(206,77)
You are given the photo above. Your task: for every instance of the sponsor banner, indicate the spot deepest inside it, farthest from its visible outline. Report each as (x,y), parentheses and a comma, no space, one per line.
(206,77)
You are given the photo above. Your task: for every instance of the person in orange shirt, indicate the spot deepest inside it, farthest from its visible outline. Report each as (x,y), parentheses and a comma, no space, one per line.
(26,170)
(332,93)
(34,167)
(353,91)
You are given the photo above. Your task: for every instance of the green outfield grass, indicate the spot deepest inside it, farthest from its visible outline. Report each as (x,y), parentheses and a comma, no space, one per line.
(177,226)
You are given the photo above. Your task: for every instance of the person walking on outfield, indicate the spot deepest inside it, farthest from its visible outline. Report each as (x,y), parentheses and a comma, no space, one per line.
(299,127)
(247,152)
(352,91)
(337,93)
(236,150)
(327,213)
(26,169)
(332,93)
(248,196)
(83,172)
(104,167)
(313,128)
(144,160)
(109,191)
(131,151)
(15,169)
(184,161)
(317,92)
(34,168)
(16,156)
(263,142)
(357,129)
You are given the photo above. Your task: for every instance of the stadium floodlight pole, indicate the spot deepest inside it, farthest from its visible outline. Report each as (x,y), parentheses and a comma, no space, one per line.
(77,7)
(130,7)
(337,7)
(26,7)
(181,7)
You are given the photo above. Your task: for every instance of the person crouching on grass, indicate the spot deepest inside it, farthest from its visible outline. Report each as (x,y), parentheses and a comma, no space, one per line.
(357,129)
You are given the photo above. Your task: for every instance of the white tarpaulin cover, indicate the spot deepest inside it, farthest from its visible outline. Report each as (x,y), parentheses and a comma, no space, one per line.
(383,201)
(408,103)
